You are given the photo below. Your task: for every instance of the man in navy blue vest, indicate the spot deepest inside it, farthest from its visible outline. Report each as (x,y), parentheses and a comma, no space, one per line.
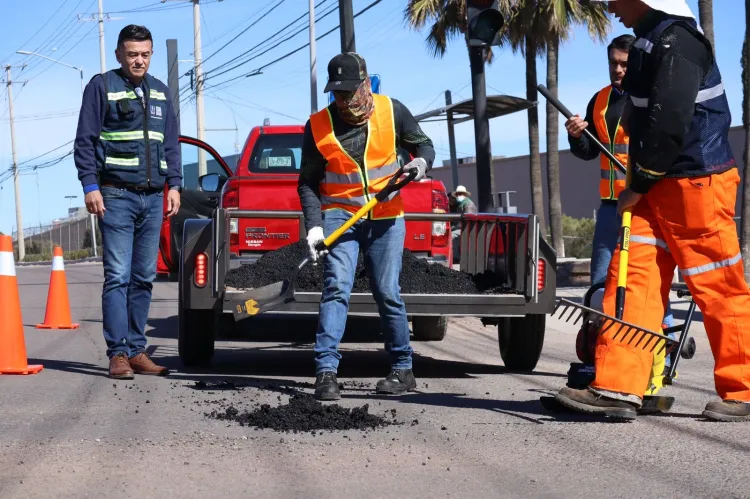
(126,152)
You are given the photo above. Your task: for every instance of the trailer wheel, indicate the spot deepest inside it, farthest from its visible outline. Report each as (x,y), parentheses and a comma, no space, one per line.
(429,328)
(521,340)
(196,336)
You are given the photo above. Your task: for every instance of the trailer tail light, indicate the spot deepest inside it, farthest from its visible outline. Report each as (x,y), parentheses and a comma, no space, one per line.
(541,274)
(440,232)
(201,269)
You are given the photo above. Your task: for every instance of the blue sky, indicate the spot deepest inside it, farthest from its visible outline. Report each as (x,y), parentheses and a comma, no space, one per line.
(46,106)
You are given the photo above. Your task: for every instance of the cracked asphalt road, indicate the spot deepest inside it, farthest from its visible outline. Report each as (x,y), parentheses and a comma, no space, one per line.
(72,432)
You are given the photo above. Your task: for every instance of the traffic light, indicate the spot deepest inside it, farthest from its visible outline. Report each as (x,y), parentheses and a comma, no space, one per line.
(484,21)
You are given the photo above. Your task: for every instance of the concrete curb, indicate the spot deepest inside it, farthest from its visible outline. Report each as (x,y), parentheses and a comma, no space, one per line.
(49,262)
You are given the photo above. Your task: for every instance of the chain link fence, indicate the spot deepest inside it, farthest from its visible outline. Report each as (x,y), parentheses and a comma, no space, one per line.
(73,235)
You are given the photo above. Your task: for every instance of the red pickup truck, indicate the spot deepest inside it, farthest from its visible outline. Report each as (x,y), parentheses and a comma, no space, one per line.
(265,179)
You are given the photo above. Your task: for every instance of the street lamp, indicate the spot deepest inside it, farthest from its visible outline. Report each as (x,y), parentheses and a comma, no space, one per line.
(80,71)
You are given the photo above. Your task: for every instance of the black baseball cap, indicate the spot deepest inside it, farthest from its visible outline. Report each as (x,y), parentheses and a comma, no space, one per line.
(346,72)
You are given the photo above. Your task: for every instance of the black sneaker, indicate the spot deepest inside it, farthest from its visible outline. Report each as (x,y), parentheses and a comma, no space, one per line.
(327,386)
(399,381)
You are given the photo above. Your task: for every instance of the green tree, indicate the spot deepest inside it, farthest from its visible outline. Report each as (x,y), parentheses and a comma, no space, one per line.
(532,27)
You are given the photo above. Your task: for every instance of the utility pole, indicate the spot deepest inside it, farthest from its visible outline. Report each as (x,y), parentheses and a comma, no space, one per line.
(485,175)
(202,169)
(173,78)
(313,69)
(346,21)
(16,184)
(102,61)
(452,140)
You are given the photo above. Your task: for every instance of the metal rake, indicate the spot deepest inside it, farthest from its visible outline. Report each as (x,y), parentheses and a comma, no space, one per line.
(631,330)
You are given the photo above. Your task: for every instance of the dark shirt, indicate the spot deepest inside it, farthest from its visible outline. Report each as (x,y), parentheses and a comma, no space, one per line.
(90,122)
(680,63)
(353,139)
(583,147)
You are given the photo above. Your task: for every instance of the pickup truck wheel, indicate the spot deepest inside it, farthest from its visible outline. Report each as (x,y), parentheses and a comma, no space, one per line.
(521,340)
(196,336)
(429,328)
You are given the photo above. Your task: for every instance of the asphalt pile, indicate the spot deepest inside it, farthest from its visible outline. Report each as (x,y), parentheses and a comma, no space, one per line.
(417,275)
(304,414)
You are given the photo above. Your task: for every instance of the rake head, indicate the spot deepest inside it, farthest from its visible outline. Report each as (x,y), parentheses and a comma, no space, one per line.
(625,331)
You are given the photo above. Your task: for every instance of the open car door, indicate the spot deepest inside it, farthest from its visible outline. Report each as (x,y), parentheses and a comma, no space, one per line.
(200,196)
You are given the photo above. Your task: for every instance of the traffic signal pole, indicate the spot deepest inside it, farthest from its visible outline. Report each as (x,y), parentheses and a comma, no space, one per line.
(485,175)
(346,21)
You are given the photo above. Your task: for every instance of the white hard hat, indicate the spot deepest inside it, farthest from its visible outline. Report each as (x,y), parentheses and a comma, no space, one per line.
(678,8)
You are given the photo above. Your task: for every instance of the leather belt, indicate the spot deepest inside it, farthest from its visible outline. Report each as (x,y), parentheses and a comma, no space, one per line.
(131,187)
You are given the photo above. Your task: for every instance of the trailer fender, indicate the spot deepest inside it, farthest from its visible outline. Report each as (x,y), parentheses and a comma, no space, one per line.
(197,240)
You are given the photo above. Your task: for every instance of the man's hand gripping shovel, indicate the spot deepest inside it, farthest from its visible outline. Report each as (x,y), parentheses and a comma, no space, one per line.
(623,331)
(273,296)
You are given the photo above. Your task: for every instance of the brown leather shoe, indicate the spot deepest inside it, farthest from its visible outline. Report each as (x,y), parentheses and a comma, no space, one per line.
(142,364)
(727,410)
(589,402)
(119,367)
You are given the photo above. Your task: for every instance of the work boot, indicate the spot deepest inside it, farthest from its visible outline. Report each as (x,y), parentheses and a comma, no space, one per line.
(728,410)
(399,381)
(142,364)
(119,367)
(589,402)
(327,386)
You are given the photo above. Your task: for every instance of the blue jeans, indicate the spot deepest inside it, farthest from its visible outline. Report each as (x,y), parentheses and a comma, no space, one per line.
(130,236)
(606,234)
(382,243)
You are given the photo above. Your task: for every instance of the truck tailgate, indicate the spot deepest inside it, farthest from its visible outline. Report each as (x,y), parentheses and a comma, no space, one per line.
(268,193)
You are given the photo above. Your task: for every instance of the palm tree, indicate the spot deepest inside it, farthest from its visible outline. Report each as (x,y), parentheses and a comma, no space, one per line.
(706,16)
(561,15)
(532,28)
(745,216)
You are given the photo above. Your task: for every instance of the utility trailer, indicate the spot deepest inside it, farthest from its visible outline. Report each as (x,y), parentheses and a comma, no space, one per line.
(508,245)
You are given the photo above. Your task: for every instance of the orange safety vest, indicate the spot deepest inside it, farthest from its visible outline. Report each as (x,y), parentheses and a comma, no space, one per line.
(612,181)
(345,185)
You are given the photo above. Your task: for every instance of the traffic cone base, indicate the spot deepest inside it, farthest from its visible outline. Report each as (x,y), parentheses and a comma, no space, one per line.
(30,369)
(57,315)
(12,342)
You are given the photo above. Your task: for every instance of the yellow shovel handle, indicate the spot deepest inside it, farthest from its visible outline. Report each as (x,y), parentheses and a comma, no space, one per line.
(360,213)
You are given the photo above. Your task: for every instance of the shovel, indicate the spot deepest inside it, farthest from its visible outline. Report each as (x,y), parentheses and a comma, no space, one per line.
(622,271)
(273,296)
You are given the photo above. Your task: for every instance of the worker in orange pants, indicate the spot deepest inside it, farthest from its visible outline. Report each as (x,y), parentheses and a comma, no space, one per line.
(682,196)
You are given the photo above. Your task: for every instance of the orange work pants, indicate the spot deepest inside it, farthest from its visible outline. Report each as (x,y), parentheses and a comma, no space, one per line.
(685,222)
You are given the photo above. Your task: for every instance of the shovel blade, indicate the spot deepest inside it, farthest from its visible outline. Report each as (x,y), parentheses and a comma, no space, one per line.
(261,300)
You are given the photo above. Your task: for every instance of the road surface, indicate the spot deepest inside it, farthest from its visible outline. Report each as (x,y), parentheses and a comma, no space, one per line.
(70,431)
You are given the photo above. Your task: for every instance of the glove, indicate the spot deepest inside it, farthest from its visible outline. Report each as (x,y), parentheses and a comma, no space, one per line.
(314,238)
(418,164)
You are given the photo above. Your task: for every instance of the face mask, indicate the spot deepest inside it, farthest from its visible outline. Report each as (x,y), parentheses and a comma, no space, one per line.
(358,109)
(460,198)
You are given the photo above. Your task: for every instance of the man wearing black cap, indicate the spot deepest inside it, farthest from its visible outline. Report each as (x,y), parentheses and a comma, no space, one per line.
(349,153)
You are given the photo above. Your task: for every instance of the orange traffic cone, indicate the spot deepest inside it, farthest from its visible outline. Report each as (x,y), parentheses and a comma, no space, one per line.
(57,315)
(12,343)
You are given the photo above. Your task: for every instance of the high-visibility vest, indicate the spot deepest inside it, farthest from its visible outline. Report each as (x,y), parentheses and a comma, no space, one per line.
(130,149)
(345,185)
(612,181)
(705,146)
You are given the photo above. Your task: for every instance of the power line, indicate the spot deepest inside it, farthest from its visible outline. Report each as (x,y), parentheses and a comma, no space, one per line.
(250,51)
(241,23)
(43,26)
(44,154)
(244,31)
(289,54)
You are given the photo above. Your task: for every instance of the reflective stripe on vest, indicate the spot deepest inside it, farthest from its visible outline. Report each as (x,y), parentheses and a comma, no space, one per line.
(345,185)
(612,181)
